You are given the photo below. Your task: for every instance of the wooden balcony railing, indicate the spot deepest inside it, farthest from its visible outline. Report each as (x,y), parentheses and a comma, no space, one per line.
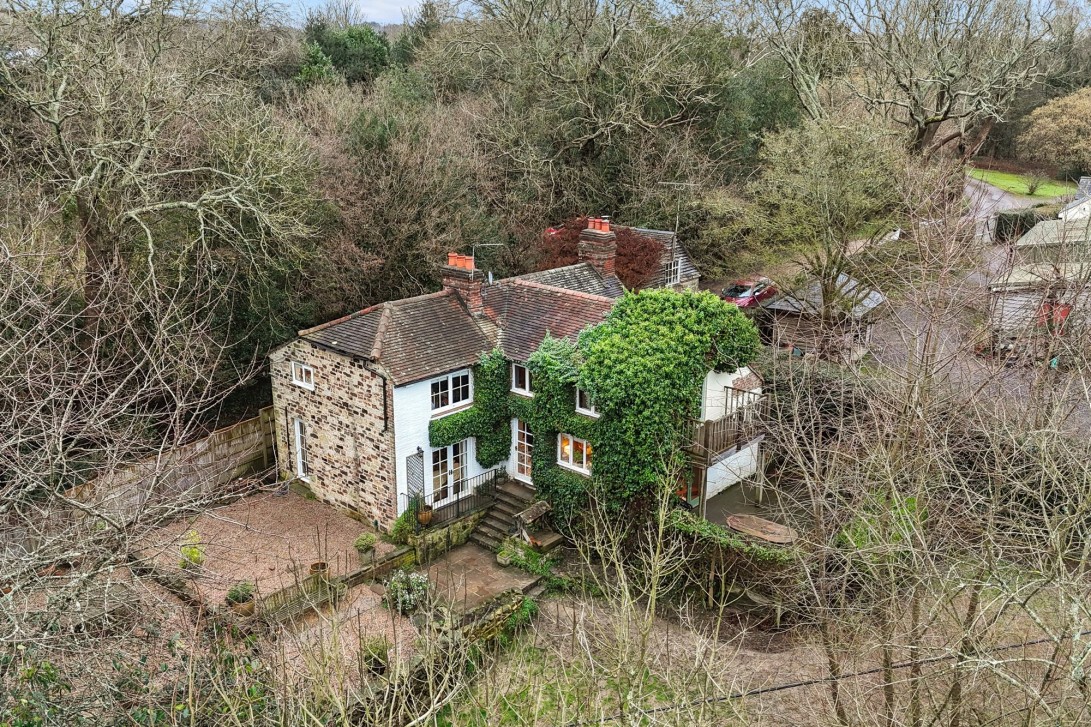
(712,438)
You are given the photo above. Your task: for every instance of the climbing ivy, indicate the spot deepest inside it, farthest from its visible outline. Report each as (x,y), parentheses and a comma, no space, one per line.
(643,366)
(487,420)
(706,534)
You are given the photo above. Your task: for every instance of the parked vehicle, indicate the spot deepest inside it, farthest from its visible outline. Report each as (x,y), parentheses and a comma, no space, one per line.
(748,293)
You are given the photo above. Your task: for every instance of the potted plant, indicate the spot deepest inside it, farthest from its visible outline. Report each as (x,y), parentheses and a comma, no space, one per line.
(193,553)
(240,598)
(423,510)
(376,653)
(504,555)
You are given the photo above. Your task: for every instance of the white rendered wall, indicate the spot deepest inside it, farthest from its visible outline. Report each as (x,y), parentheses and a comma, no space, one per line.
(412,414)
(714,395)
(733,469)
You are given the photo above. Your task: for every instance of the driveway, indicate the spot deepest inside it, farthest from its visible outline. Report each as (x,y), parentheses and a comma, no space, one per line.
(987,200)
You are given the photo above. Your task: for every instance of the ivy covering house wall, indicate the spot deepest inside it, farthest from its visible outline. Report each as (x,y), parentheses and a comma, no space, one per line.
(643,366)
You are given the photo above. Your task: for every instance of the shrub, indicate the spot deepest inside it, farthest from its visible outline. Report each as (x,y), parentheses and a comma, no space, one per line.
(193,553)
(375,648)
(406,591)
(366,542)
(403,527)
(241,592)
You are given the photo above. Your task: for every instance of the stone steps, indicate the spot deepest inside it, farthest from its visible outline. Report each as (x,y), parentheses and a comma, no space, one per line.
(511,499)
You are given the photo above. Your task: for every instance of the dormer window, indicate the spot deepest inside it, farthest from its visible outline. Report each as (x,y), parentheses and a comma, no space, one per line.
(520,380)
(584,405)
(302,375)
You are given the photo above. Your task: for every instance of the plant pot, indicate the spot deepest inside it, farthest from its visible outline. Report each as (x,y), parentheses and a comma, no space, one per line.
(246,608)
(320,567)
(376,666)
(503,559)
(424,515)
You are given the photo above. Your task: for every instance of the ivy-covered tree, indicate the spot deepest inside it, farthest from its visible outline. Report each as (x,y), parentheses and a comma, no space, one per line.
(644,368)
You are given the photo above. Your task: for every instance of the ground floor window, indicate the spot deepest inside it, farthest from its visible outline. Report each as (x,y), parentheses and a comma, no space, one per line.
(524,449)
(574,453)
(302,457)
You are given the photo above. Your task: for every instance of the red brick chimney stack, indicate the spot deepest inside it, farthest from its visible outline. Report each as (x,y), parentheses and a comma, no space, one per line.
(598,245)
(460,276)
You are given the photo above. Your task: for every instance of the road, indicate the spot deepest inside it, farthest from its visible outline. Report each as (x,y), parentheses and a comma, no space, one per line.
(987,200)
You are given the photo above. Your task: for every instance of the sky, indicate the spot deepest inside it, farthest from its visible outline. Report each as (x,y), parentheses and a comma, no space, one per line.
(377,11)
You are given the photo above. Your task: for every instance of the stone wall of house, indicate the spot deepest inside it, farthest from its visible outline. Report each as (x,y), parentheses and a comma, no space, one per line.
(349,425)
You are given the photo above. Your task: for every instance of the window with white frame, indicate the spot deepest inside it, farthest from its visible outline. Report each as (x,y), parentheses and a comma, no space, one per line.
(574,453)
(302,375)
(520,379)
(302,456)
(583,403)
(451,391)
(674,271)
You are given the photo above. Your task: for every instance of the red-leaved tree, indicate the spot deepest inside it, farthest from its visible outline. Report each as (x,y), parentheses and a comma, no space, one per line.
(639,257)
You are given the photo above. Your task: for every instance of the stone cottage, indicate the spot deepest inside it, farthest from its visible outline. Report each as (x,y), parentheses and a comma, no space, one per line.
(354,398)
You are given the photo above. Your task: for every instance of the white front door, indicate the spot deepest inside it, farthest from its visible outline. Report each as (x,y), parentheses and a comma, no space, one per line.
(449,473)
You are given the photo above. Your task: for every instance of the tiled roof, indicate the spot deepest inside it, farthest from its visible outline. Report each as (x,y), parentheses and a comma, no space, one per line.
(671,246)
(525,311)
(581,277)
(413,339)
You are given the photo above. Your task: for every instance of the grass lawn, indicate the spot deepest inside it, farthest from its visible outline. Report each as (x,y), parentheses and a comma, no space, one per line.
(1017,183)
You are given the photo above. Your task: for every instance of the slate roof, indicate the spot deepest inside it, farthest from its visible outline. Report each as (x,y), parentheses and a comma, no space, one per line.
(808,299)
(413,338)
(1083,194)
(670,243)
(581,277)
(525,311)
(417,338)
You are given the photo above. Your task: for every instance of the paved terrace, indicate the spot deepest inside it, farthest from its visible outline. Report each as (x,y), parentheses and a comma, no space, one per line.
(468,575)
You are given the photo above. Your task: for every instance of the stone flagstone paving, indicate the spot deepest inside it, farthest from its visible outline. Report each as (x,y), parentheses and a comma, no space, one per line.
(468,575)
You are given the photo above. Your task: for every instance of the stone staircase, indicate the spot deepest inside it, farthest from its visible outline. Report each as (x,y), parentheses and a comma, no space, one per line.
(512,498)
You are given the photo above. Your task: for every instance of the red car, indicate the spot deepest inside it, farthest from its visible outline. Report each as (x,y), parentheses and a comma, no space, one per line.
(748,293)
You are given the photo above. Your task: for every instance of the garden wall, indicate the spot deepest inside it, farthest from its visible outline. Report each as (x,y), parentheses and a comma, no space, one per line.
(192,470)
(433,542)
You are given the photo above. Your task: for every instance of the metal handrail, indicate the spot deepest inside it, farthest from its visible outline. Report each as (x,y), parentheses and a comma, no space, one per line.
(477,493)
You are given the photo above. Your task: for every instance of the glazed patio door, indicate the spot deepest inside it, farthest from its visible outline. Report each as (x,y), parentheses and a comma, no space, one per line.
(524,450)
(449,473)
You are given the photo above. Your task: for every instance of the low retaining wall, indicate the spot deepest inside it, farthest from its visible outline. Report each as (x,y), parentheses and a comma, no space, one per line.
(402,557)
(412,690)
(433,542)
